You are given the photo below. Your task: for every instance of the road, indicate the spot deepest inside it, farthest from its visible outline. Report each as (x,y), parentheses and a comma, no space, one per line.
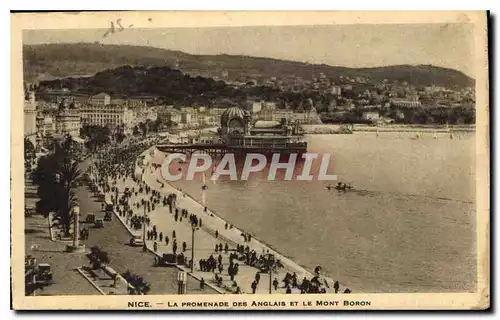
(113,239)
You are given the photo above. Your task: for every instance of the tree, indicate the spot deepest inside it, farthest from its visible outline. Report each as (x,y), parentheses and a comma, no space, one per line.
(29,149)
(57,176)
(98,257)
(140,286)
(97,136)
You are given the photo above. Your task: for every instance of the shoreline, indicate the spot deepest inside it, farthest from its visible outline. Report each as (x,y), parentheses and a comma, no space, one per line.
(397,128)
(286,260)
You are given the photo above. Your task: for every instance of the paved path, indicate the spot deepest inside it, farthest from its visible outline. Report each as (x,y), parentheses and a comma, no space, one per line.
(113,238)
(205,240)
(67,280)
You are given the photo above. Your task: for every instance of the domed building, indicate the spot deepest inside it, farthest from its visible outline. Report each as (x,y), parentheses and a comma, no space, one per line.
(235,122)
(239,131)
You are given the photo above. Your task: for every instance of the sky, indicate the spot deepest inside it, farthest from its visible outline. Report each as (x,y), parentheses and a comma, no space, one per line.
(444,45)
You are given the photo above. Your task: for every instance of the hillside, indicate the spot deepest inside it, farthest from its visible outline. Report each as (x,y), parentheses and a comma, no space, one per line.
(83,59)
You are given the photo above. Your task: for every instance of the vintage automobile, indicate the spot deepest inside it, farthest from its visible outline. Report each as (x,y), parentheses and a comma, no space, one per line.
(136,241)
(99,223)
(43,273)
(167,259)
(90,218)
(29,212)
(108,207)
(108,216)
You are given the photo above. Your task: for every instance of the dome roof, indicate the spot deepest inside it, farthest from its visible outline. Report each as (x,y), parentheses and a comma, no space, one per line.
(231,113)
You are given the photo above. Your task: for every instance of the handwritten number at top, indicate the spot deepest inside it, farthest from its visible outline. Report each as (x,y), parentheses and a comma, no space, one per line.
(112,27)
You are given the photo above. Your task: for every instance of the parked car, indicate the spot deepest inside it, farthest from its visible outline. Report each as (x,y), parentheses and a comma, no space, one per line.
(167,259)
(99,223)
(136,241)
(43,273)
(29,212)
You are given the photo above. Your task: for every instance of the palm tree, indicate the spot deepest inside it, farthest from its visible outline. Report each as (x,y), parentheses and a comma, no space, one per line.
(139,285)
(57,176)
(98,257)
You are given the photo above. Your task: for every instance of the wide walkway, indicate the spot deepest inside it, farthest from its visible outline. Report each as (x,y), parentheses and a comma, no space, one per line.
(113,239)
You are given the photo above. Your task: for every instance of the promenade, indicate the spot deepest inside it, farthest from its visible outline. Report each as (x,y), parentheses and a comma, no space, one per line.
(213,232)
(113,239)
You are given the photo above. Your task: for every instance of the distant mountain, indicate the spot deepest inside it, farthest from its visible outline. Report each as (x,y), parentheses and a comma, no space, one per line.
(84,59)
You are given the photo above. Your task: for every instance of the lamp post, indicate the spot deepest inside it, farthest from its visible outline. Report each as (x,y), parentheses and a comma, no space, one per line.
(76,214)
(144,248)
(270,263)
(181,282)
(193,229)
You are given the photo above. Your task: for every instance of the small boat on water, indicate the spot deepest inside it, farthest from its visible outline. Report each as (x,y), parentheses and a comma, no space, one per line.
(340,186)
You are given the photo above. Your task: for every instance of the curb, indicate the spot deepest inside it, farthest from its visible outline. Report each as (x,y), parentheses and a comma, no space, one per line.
(215,288)
(91,282)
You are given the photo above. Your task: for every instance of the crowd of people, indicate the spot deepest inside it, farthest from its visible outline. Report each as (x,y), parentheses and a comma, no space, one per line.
(120,164)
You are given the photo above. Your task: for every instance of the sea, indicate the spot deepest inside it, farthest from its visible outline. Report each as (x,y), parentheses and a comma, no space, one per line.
(409,224)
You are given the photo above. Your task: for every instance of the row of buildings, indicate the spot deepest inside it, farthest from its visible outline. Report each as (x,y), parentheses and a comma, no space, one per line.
(68,115)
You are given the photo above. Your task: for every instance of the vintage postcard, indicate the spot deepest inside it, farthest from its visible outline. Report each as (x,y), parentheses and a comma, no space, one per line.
(250,160)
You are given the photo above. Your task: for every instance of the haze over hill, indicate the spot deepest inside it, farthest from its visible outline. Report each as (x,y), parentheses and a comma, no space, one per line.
(48,61)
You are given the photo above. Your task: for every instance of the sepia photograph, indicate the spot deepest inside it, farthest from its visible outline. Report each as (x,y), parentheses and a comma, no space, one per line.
(259,160)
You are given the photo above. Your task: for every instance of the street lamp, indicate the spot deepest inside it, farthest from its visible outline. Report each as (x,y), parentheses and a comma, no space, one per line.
(144,248)
(76,214)
(181,282)
(270,263)
(193,229)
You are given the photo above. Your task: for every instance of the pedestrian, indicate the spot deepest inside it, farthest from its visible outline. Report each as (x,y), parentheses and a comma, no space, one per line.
(219,258)
(216,234)
(216,248)
(202,284)
(221,268)
(336,286)
(173,234)
(184,246)
(155,246)
(288,290)
(254,286)
(166,240)
(174,247)
(257,277)
(199,222)
(225,226)
(161,236)
(238,290)
(275,284)
(226,248)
